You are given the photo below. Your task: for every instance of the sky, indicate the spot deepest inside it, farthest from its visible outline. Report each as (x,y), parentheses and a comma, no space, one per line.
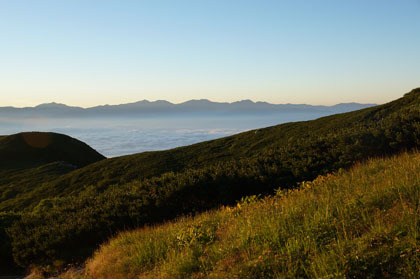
(89,52)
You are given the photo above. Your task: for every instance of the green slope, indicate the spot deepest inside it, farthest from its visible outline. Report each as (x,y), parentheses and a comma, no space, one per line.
(87,205)
(362,223)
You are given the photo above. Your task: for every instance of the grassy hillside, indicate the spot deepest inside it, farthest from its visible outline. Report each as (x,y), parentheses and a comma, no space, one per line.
(362,223)
(82,208)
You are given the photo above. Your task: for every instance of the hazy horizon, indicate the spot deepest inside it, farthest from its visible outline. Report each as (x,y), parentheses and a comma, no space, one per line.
(178,103)
(129,135)
(124,130)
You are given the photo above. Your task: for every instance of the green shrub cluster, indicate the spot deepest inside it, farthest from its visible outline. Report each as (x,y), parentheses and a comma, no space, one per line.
(6,220)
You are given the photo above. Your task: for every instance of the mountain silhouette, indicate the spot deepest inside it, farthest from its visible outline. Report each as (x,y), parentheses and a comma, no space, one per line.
(162,107)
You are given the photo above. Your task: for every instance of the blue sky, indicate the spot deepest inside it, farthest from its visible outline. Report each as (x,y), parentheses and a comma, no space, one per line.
(109,52)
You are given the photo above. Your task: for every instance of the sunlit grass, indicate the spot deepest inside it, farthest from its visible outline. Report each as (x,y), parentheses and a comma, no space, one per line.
(361,223)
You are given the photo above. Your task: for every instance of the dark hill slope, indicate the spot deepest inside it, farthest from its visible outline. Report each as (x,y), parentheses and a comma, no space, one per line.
(26,161)
(35,149)
(131,191)
(29,159)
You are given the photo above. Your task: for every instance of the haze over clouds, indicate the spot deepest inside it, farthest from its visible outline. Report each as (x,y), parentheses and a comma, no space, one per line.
(87,53)
(144,126)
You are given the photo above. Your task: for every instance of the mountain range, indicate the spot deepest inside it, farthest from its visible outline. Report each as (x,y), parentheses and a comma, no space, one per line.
(160,107)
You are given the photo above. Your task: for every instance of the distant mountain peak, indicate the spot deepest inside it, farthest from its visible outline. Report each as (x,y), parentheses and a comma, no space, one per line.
(162,102)
(52,105)
(199,101)
(141,102)
(246,101)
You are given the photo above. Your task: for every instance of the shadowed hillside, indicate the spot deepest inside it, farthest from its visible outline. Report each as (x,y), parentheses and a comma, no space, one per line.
(35,149)
(31,159)
(27,160)
(80,209)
